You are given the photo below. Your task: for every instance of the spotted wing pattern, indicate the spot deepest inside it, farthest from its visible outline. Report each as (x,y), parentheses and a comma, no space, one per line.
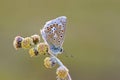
(53,32)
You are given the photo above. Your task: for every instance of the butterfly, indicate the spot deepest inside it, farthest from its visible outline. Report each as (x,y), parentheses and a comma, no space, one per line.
(53,33)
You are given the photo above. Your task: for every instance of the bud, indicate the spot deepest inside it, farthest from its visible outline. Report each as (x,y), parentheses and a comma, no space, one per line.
(27,43)
(49,62)
(62,72)
(17,42)
(33,52)
(42,48)
(36,39)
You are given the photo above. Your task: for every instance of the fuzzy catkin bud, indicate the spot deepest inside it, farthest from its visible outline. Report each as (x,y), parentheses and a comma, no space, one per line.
(33,52)
(42,48)
(17,42)
(62,72)
(49,62)
(27,43)
(36,39)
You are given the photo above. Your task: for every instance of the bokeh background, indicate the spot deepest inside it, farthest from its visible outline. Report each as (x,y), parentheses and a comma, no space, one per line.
(92,37)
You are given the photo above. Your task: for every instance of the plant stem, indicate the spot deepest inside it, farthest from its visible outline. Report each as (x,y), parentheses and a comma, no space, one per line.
(61,64)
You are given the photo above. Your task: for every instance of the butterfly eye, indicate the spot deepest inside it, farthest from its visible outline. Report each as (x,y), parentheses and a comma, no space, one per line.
(61,50)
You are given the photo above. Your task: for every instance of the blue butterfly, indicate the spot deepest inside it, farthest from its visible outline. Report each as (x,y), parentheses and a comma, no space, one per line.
(53,33)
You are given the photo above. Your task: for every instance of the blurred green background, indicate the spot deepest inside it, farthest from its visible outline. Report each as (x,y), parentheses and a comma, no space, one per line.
(92,37)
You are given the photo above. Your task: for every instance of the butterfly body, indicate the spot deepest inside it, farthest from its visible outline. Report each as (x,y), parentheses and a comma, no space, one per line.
(53,34)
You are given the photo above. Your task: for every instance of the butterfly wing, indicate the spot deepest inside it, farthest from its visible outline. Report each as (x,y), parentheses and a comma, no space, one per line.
(53,32)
